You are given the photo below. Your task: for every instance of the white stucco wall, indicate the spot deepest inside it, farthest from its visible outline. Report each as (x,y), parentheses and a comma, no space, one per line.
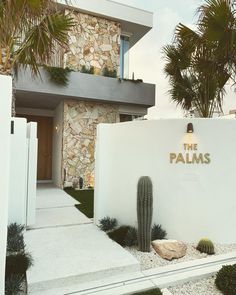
(31,173)
(57,145)
(18,173)
(5,115)
(191,201)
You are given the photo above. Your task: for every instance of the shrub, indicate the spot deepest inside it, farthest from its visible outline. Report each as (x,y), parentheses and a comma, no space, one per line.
(16,244)
(206,246)
(87,70)
(156,291)
(131,238)
(15,239)
(14,229)
(14,284)
(119,235)
(18,264)
(109,73)
(17,260)
(158,233)
(107,223)
(226,280)
(58,75)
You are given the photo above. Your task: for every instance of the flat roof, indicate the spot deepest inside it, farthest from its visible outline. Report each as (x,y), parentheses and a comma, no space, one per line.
(134,21)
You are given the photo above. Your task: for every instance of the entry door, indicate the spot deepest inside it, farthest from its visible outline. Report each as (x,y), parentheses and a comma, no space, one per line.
(45,133)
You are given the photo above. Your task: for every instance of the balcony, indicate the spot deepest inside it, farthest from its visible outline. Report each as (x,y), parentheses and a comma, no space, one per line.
(40,92)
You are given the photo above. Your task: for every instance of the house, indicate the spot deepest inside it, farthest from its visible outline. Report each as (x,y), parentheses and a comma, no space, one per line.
(67,115)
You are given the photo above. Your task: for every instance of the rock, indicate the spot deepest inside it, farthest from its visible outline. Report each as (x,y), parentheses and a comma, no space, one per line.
(169,249)
(106,47)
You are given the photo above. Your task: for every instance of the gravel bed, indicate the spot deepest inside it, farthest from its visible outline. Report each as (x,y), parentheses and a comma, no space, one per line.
(152,259)
(201,287)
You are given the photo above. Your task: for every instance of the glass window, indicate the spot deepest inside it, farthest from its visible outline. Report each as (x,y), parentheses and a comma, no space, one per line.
(124,57)
(125,118)
(129,117)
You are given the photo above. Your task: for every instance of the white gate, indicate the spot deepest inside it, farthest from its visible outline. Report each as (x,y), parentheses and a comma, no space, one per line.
(23,172)
(5,118)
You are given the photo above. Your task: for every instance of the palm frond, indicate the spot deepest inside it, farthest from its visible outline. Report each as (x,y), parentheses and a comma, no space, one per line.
(39,41)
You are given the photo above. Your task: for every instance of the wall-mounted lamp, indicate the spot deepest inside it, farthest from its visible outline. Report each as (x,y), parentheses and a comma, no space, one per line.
(57,127)
(190,128)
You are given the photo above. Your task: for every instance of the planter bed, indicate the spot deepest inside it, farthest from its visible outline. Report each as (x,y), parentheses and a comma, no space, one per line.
(205,286)
(153,260)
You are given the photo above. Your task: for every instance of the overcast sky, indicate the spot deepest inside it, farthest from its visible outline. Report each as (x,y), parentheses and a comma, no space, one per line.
(146,59)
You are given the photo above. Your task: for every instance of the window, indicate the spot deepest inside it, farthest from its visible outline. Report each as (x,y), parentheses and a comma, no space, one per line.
(125,118)
(129,117)
(124,57)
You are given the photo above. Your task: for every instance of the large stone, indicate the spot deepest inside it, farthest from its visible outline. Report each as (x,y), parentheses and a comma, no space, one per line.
(169,249)
(106,47)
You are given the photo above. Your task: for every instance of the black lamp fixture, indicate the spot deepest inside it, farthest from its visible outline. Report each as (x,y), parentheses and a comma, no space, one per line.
(190,128)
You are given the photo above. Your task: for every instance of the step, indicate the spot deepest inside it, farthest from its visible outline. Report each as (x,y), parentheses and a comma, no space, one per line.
(68,255)
(162,277)
(49,196)
(63,216)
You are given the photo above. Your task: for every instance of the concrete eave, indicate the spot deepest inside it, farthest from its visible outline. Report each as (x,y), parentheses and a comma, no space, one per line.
(43,93)
(135,22)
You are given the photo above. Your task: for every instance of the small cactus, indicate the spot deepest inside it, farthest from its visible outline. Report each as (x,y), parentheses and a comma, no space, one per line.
(206,246)
(144,213)
(81,182)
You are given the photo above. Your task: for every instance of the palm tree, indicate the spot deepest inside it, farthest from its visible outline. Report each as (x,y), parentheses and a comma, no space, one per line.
(201,62)
(30,30)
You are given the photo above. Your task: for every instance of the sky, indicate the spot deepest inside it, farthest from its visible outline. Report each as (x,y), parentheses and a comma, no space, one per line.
(146,58)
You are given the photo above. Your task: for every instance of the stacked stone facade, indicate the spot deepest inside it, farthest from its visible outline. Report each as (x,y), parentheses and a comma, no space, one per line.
(80,123)
(94,41)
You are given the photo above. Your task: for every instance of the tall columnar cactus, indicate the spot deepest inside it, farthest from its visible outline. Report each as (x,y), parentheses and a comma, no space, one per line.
(144,213)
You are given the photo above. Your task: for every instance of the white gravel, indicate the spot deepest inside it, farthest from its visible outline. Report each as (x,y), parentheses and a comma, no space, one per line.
(201,287)
(152,259)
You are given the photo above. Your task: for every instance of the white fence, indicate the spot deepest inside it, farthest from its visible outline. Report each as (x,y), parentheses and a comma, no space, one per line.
(5,119)
(23,170)
(193,184)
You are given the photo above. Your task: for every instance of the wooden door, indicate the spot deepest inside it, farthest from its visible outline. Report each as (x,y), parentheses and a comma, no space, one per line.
(45,132)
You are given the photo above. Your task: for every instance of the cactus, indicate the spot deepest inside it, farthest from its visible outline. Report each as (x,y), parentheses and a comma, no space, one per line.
(226,279)
(144,213)
(206,246)
(81,182)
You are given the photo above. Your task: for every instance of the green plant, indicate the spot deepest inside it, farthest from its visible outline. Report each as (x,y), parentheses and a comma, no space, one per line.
(58,75)
(155,291)
(107,223)
(14,229)
(158,233)
(86,199)
(200,62)
(15,239)
(226,280)
(14,284)
(18,264)
(119,235)
(131,238)
(206,246)
(109,73)
(144,213)
(87,70)
(16,244)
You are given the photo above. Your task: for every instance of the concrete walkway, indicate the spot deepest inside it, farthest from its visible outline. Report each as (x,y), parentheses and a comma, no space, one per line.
(68,249)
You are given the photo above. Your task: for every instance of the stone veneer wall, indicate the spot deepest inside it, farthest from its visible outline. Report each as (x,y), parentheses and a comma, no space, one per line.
(94,41)
(79,135)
